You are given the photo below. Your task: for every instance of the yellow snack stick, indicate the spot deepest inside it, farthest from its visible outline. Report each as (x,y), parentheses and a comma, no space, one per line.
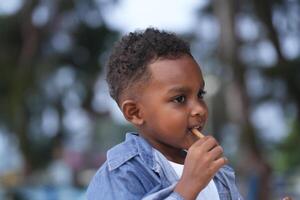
(197,133)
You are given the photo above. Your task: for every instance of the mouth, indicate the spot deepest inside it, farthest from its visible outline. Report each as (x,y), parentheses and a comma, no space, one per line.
(199,128)
(194,133)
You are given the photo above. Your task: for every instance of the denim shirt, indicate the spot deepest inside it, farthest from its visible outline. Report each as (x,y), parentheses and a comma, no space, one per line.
(135,170)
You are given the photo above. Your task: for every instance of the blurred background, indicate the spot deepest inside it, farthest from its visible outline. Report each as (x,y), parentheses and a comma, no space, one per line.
(56,117)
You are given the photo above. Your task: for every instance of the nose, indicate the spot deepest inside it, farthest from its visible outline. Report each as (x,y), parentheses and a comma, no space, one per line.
(199,109)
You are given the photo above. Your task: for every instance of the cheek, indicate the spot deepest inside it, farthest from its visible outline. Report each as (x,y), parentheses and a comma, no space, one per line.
(168,113)
(175,119)
(167,120)
(171,124)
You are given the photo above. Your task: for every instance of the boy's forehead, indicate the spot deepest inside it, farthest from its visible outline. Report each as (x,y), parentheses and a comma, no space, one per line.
(173,70)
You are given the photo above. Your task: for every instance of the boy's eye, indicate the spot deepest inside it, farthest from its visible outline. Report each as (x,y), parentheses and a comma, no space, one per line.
(179,99)
(201,94)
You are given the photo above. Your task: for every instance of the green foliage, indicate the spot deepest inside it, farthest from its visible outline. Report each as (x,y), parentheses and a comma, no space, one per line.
(30,58)
(290,149)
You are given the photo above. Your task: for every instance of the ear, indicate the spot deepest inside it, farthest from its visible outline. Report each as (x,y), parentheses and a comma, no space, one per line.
(132,112)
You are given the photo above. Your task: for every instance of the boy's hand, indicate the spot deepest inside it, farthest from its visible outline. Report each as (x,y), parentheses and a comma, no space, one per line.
(203,160)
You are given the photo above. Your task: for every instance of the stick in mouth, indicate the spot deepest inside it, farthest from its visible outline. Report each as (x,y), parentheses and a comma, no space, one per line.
(197,133)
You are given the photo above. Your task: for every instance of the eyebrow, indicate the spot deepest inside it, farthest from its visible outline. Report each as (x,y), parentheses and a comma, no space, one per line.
(182,89)
(178,90)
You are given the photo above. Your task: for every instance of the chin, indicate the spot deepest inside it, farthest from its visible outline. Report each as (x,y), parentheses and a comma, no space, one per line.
(190,142)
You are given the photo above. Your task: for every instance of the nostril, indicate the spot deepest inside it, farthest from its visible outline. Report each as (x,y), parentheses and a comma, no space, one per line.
(200,113)
(199,109)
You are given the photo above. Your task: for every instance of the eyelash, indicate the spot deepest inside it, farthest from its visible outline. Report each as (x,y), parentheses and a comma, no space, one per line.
(201,94)
(182,98)
(176,99)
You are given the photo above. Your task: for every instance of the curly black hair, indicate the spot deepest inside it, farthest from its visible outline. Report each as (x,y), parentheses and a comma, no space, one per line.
(127,65)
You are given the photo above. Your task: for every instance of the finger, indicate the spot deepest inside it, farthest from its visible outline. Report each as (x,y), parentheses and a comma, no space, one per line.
(216,152)
(217,164)
(209,143)
(200,141)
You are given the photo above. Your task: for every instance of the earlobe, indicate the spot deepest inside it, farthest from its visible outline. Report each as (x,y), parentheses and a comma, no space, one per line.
(132,112)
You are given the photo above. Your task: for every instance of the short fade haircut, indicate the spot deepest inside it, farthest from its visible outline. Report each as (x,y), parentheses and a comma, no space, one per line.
(127,64)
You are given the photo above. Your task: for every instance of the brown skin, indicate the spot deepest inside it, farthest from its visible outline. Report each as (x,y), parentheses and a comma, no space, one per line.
(165,110)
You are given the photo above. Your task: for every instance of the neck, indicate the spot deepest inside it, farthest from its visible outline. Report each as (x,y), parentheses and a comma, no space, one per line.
(173,154)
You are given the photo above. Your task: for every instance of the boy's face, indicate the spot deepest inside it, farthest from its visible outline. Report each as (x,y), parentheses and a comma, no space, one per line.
(172,104)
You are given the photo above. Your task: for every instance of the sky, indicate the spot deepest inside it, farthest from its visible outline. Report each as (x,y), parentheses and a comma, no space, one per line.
(129,15)
(10,7)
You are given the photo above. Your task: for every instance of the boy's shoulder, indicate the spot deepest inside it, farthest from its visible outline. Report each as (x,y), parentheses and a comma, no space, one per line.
(122,160)
(121,153)
(133,146)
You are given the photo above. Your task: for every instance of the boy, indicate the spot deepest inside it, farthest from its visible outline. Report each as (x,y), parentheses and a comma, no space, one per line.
(159,88)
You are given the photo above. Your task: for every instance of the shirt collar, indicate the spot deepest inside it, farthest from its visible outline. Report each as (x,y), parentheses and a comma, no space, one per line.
(133,145)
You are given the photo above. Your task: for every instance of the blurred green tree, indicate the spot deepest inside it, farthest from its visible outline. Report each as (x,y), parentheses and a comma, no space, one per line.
(50,50)
(244,27)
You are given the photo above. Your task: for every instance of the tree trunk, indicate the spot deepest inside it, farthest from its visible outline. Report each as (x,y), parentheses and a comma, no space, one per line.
(226,14)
